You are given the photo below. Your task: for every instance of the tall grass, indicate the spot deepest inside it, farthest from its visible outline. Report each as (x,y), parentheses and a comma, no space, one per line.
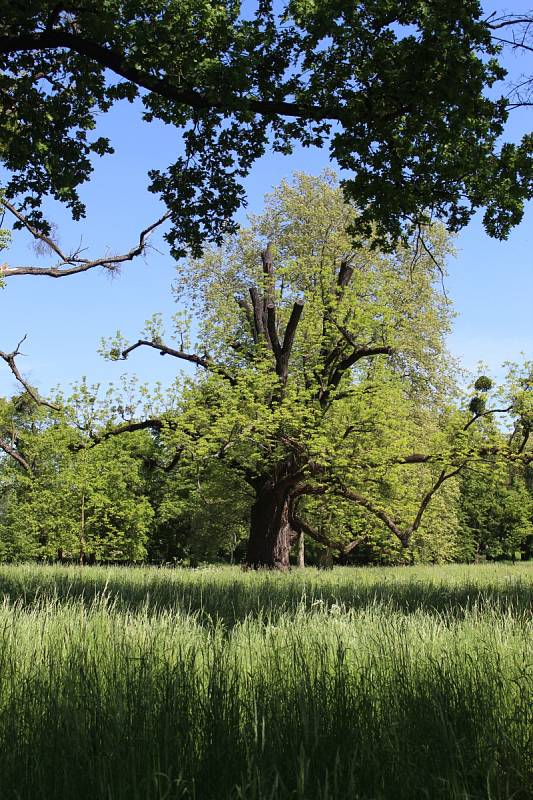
(229,595)
(370,684)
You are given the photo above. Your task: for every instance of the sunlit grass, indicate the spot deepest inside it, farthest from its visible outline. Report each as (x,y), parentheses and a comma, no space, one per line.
(358,683)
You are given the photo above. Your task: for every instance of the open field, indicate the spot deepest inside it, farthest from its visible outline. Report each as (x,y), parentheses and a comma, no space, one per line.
(213,684)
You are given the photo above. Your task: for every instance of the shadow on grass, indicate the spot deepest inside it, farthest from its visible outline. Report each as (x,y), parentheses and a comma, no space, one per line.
(229,595)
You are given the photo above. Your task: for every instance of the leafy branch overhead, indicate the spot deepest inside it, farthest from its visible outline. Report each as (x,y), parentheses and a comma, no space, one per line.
(236,81)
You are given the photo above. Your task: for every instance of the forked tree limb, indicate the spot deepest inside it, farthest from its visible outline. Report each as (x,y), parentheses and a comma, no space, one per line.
(444,476)
(288,340)
(402,534)
(10,359)
(72,263)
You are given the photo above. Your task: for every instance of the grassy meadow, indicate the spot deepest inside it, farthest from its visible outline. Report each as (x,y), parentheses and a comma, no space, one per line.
(215,684)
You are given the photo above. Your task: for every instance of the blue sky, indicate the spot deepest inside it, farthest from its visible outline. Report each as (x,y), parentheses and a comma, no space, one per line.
(490,283)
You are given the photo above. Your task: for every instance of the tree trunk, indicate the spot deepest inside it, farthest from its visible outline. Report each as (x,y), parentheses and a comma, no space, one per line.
(82,531)
(301,549)
(271,534)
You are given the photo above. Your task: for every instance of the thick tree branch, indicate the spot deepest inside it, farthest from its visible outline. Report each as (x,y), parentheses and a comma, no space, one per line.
(248,311)
(444,476)
(288,339)
(72,264)
(402,535)
(367,504)
(154,424)
(163,87)
(302,526)
(342,491)
(206,362)
(272,332)
(525,439)
(268,270)
(258,309)
(333,374)
(14,454)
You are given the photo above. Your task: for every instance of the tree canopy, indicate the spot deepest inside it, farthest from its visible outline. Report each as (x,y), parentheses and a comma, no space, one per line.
(400,92)
(323,379)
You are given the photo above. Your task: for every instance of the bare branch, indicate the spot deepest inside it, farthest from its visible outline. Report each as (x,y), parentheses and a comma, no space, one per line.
(72,264)
(206,362)
(486,414)
(10,359)
(516,45)
(154,423)
(508,20)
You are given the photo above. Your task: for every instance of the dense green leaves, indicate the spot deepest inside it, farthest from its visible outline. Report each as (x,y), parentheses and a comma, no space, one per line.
(74,501)
(399,92)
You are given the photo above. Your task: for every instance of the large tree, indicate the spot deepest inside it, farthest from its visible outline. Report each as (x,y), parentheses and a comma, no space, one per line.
(322,370)
(400,92)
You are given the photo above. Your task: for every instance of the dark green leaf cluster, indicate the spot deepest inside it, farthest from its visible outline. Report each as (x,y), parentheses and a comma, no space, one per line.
(398,91)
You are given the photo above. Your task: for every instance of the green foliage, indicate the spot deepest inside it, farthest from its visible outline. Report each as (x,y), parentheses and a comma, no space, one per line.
(483,384)
(496,511)
(359,425)
(235,80)
(76,501)
(200,514)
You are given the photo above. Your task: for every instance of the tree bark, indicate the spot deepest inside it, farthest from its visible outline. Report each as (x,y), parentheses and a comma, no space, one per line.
(271,534)
(301,550)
